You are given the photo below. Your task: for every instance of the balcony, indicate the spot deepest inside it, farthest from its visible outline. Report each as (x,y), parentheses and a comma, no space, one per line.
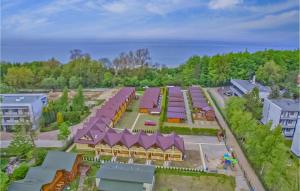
(15,114)
(287,115)
(288,133)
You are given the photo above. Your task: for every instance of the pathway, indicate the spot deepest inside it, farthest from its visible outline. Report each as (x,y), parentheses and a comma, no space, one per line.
(232,142)
(83,170)
(135,121)
(221,99)
(187,108)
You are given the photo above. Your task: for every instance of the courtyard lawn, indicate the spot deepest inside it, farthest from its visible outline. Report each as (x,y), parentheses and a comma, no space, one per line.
(128,118)
(144,117)
(190,182)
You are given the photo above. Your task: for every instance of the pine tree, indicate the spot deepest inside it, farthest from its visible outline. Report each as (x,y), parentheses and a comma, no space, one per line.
(78,100)
(64,131)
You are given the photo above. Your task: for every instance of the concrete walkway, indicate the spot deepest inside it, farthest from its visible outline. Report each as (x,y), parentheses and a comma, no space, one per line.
(83,170)
(187,108)
(232,142)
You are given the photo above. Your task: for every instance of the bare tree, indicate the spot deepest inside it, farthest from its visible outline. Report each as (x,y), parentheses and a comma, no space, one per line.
(77,54)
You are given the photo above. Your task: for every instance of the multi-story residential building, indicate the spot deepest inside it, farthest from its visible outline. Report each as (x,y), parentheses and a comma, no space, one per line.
(17,109)
(241,87)
(284,112)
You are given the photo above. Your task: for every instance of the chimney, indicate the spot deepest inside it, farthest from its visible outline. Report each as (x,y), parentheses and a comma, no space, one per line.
(253,80)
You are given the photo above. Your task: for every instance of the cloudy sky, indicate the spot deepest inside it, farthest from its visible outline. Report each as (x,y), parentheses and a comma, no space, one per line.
(267,21)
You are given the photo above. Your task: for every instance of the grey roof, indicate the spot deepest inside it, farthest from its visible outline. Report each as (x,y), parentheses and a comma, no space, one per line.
(249,86)
(38,176)
(24,186)
(20,98)
(112,185)
(59,160)
(287,104)
(35,178)
(120,172)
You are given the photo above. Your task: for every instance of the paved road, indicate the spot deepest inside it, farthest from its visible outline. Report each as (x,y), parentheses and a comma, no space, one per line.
(216,94)
(187,108)
(243,162)
(38,143)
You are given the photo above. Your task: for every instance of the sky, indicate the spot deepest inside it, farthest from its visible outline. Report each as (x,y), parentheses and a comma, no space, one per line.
(256,21)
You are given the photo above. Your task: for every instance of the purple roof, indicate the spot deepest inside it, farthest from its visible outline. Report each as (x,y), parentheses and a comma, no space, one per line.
(176,109)
(175,92)
(150,98)
(176,115)
(175,104)
(175,99)
(98,123)
(198,100)
(200,105)
(111,137)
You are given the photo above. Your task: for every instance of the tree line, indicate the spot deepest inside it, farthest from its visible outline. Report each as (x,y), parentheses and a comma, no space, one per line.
(135,68)
(265,147)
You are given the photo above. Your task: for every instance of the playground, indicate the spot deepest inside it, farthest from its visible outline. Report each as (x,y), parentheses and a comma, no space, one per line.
(218,158)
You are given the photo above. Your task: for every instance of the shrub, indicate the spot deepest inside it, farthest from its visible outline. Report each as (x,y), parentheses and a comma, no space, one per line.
(39,155)
(20,172)
(59,118)
(64,131)
(4,180)
(72,116)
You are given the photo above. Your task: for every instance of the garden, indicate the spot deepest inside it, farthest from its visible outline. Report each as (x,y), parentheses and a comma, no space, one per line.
(64,112)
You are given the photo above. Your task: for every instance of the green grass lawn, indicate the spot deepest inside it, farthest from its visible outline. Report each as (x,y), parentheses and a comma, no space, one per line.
(292,175)
(190,182)
(144,117)
(129,117)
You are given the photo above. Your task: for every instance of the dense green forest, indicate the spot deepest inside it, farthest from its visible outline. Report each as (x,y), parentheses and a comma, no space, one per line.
(278,69)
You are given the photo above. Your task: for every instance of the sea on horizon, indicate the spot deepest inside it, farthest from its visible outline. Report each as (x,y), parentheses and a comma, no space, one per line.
(167,52)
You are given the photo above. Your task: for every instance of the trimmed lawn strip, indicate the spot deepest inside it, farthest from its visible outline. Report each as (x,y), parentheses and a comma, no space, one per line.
(163,115)
(140,125)
(184,180)
(129,115)
(189,131)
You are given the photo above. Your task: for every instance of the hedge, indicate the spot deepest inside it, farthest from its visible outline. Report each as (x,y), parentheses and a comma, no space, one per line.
(162,117)
(189,131)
